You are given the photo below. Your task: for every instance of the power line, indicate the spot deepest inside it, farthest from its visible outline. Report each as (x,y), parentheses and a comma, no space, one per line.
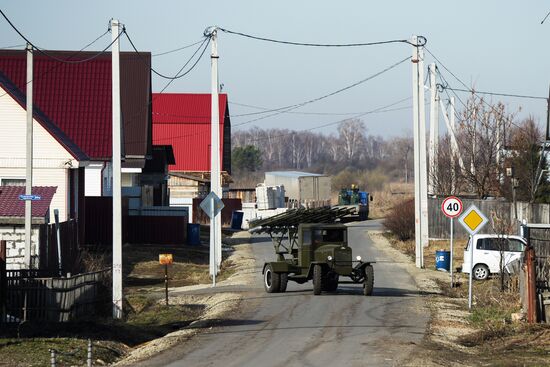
(266,110)
(177,49)
(43,52)
(58,64)
(178,75)
(293,43)
(382,109)
(293,107)
(14,46)
(203,46)
(495,94)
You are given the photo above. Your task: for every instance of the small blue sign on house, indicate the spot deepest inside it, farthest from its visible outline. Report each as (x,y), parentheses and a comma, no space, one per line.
(30,197)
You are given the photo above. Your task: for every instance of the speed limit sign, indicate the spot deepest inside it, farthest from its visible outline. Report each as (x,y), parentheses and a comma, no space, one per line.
(452,207)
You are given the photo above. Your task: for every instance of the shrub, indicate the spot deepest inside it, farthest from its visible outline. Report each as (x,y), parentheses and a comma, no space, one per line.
(400,220)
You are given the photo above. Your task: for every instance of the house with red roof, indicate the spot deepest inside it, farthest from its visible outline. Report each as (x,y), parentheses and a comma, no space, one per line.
(72,123)
(12,222)
(183,120)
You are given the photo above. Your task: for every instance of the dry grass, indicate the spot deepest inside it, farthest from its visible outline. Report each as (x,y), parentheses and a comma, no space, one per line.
(190,266)
(384,201)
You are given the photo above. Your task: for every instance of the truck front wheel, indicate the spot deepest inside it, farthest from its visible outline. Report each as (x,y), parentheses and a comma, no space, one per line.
(283,283)
(272,280)
(368,284)
(317,279)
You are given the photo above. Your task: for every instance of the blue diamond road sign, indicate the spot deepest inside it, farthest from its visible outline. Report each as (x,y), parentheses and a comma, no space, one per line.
(206,204)
(30,197)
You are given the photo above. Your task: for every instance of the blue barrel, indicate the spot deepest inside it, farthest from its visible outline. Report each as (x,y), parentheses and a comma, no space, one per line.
(443,260)
(193,234)
(236,219)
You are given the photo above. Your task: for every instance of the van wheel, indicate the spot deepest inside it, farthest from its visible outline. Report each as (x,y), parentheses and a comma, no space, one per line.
(481,272)
(317,279)
(272,280)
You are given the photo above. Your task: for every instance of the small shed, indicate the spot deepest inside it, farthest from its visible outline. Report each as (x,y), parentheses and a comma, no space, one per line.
(12,222)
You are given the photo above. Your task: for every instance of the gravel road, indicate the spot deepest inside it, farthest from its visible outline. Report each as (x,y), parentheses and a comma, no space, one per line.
(298,329)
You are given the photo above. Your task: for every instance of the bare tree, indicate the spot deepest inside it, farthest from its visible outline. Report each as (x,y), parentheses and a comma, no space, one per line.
(352,137)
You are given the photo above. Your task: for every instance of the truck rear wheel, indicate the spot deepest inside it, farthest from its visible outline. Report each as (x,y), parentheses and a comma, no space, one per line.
(272,280)
(368,284)
(317,279)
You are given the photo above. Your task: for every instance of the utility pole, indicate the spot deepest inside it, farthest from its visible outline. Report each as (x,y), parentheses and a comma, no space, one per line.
(434,130)
(420,174)
(116,163)
(29,158)
(215,181)
(455,153)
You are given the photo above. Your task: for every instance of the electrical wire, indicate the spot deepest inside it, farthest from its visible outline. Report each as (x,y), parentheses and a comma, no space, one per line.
(43,52)
(496,94)
(178,75)
(382,109)
(58,64)
(203,46)
(420,38)
(14,46)
(265,110)
(293,107)
(177,49)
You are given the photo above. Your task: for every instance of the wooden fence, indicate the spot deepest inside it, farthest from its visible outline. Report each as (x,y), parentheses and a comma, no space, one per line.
(29,298)
(70,249)
(439,226)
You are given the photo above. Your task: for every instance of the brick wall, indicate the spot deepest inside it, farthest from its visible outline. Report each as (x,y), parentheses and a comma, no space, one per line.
(15,245)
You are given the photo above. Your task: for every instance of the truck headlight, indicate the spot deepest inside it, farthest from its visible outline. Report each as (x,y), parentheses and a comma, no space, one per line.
(358,258)
(329,258)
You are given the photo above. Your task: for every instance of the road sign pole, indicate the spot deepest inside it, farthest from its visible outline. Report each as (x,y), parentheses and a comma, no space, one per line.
(472,244)
(213,263)
(451,219)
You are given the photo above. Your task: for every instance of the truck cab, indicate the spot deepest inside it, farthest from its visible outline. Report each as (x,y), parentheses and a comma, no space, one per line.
(487,252)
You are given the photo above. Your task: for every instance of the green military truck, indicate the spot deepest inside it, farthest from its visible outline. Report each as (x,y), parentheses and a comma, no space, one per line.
(312,251)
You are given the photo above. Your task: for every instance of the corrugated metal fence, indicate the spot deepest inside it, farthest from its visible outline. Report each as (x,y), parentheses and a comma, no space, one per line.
(439,224)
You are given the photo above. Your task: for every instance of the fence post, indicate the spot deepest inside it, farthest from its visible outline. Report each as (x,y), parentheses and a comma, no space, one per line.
(53,358)
(3,281)
(89,358)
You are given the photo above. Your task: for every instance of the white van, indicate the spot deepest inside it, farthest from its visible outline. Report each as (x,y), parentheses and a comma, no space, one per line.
(487,253)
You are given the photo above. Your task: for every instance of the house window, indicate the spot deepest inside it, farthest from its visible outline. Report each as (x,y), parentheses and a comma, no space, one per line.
(12,182)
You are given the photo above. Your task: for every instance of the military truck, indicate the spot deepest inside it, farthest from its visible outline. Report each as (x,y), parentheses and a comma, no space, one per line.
(312,251)
(358,200)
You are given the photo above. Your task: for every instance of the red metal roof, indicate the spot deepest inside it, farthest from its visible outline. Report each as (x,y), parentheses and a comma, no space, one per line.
(76,98)
(183,120)
(11,206)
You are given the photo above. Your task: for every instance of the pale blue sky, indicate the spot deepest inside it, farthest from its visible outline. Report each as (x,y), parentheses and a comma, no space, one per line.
(498,45)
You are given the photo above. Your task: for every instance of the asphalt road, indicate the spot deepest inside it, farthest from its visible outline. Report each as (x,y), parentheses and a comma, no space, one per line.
(298,329)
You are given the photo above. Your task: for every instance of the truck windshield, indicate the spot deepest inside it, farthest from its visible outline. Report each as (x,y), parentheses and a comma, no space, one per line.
(329,235)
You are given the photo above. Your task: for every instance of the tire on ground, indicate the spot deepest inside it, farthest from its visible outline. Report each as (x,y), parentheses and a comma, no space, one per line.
(481,272)
(272,280)
(368,284)
(283,282)
(317,279)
